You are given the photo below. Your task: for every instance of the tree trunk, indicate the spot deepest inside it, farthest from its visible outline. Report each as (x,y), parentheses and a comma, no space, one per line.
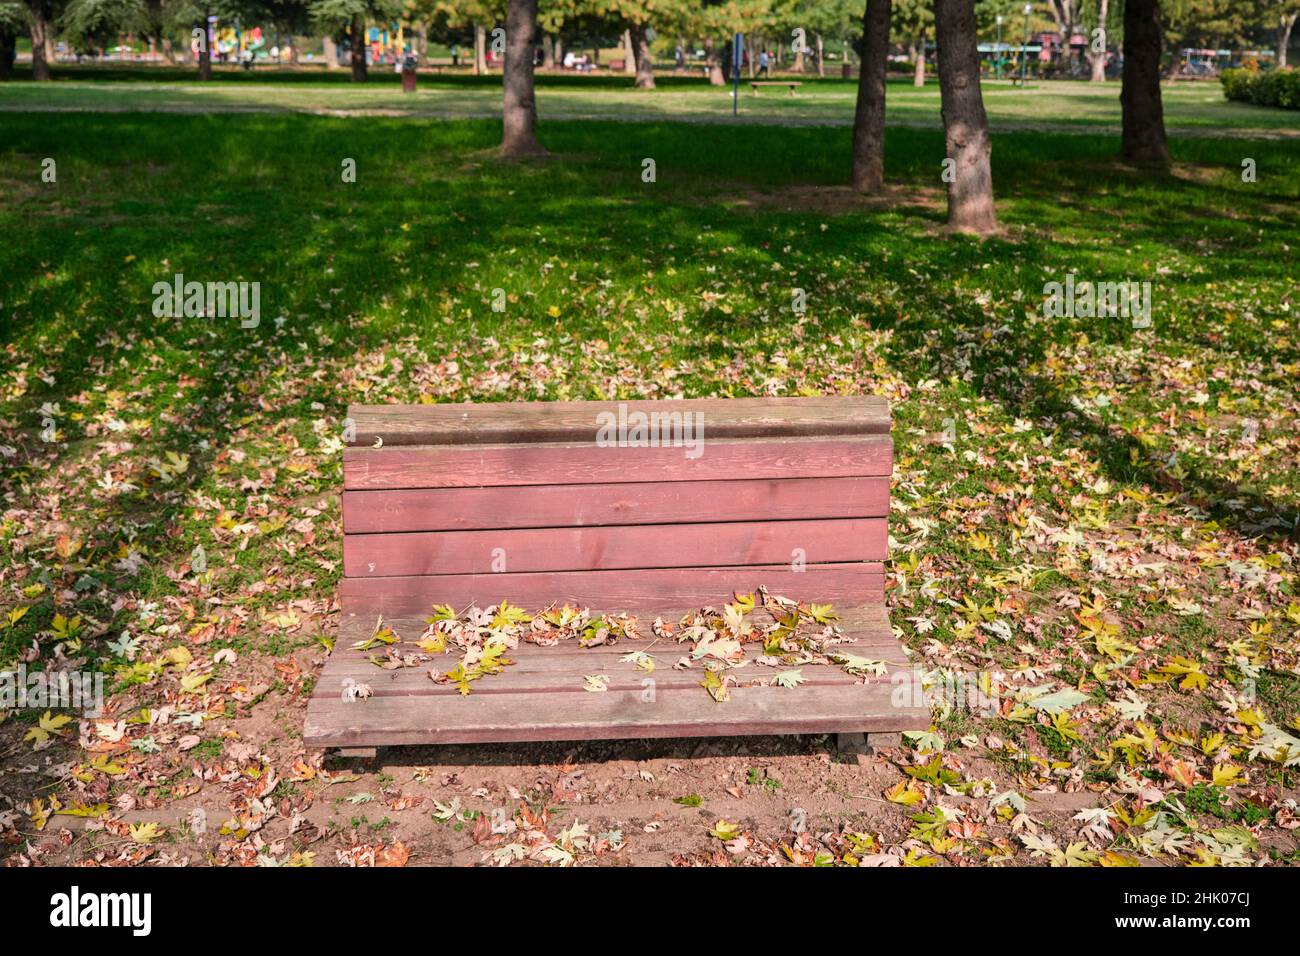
(357,42)
(519,118)
(1144,139)
(966,128)
(8,52)
(331,51)
(918,77)
(205,51)
(868,174)
(40,20)
(645,72)
(821,56)
(798,60)
(629,57)
(480,50)
(1285,22)
(711,63)
(548,53)
(1098,60)
(293,51)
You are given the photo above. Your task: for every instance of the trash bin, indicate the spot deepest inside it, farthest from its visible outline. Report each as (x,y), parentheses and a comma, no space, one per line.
(408,73)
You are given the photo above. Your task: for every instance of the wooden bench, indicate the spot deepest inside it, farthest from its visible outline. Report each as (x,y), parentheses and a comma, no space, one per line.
(790,493)
(755,84)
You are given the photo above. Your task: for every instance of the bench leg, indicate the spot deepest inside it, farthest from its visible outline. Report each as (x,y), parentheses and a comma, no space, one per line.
(864,744)
(357,753)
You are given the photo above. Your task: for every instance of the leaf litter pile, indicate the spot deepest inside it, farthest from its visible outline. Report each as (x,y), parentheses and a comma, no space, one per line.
(785,636)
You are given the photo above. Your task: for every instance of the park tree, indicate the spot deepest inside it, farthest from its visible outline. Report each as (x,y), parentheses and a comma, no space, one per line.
(41,16)
(868,169)
(913,23)
(479,16)
(336,16)
(519,116)
(1066,13)
(637,17)
(1279,16)
(1098,42)
(816,20)
(13,21)
(1143,118)
(968,164)
(90,25)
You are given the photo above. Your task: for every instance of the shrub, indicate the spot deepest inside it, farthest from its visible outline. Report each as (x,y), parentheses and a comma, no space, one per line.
(1273,88)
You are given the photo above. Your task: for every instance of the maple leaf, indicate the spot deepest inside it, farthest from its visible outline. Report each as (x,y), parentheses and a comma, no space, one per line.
(641,659)
(791,678)
(725,831)
(905,792)
(39,814)
(861,666)
(822,613)
(1226,775)
(47,727)
(717,685)
(146,832)
(507,616)
(596,683)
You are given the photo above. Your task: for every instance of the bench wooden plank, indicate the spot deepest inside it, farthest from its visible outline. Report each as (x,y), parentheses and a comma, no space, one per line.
(647,503)
(640,590)
(514,422)
(615,547)
(540,697)
(866,631)
(611,715)
(467,466)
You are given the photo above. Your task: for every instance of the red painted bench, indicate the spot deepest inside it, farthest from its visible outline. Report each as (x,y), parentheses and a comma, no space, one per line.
(529,502)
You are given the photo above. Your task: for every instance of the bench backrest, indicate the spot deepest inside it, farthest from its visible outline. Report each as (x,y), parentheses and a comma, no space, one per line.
(641,505)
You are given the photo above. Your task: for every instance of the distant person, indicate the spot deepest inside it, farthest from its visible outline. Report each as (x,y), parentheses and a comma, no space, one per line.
(455,55)
(570,60)
(679,58)
(762,64)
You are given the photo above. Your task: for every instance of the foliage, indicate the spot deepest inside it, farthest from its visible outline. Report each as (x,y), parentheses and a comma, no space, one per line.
(1263,88)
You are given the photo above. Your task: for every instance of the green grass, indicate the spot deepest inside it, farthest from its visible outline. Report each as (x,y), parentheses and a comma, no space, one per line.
(1192,108)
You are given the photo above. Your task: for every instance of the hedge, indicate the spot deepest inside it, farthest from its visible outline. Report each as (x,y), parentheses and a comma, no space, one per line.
(1272,88)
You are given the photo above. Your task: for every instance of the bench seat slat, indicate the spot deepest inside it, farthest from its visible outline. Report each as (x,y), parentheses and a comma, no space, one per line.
(640,590)
(646,503)
(615,714)
(468,466)
(540,697)
(613,548)
(514,422)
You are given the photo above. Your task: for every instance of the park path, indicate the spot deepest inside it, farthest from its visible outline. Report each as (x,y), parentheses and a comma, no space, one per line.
(703,119)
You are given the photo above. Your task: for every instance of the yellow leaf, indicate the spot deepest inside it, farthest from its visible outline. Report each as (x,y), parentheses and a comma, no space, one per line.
(146,832)
(725,831)
(1226,775)
(905,792)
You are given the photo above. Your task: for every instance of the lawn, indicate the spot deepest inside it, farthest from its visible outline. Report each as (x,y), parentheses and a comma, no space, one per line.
(1078,503)
(1192,108)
